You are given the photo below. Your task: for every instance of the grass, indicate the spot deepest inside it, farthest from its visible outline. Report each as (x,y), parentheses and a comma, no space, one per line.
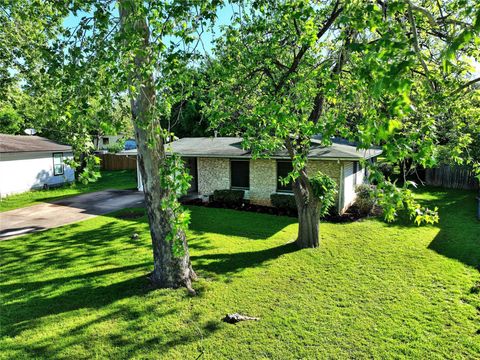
(119,180)
(372,290)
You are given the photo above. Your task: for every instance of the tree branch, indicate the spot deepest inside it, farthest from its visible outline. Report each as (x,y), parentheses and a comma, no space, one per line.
(297,30)
(415,43)
(320,96)
(464,86)
(428,14)
(296,61)
(279,64)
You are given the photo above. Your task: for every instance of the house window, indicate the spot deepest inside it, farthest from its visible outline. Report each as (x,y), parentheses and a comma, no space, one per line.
(283,169)
(240,174)
(57,164)
(106,141)
(355,170)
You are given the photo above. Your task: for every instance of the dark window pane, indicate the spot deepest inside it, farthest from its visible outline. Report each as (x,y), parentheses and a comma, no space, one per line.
(57,164)
(240,174)
(283,169)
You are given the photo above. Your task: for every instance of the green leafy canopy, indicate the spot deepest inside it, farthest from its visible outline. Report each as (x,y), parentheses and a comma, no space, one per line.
(368,71)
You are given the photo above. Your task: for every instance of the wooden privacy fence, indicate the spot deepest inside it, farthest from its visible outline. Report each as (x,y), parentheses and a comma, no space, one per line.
(453,177)
(117,162)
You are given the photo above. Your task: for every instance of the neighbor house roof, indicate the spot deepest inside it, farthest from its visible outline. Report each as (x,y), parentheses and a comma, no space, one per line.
(232,147)
(23,143)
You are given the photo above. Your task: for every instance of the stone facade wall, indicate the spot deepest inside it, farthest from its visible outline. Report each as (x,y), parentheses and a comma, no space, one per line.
(331,168)
(263,180)
(213,174)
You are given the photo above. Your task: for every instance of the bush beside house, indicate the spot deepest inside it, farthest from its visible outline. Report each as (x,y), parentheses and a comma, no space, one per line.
(229,197)
(364,200)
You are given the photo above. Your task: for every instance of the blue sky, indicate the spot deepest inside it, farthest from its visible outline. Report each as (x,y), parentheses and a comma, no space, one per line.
(224,15)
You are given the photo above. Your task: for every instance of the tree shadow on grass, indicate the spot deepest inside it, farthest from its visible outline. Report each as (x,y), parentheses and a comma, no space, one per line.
(65,246)
(459,235)
(82,248)
(129,332)
(229,263)
(28,302)
(19,315)
(243,224)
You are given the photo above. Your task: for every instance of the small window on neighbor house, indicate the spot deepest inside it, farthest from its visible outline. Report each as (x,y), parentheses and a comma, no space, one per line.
(57,164)
(240,174)
(283,169)
(106,141)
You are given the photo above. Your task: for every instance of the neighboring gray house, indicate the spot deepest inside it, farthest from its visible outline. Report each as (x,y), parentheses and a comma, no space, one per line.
(221,163)
(32,162)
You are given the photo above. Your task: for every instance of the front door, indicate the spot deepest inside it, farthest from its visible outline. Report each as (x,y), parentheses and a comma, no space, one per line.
(191,165)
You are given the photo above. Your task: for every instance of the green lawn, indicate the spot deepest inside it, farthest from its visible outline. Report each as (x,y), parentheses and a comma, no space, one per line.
(122,179)
(371,290)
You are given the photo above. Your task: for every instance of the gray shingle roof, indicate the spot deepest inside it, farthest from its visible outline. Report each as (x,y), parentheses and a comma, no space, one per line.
(22,143)
(232,147)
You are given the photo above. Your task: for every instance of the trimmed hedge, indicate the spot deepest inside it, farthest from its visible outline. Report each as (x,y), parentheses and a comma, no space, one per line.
(231,197)
(283,201)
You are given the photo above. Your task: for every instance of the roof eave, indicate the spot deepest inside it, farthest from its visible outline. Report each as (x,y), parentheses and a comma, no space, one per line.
(342,158)
(35,151)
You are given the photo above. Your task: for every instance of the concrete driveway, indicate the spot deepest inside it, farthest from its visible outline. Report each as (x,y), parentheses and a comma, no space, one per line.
(61,212)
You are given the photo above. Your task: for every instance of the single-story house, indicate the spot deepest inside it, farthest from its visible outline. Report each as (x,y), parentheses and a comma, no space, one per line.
(104,141)
(221,163)
(32,162)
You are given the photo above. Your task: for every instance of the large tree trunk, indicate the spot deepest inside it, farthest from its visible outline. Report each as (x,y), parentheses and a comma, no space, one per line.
(308,207)
(169,269)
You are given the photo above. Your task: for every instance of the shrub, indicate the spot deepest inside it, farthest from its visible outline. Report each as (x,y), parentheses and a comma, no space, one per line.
(116,147)
(283,201)
(365,199)
(229,197)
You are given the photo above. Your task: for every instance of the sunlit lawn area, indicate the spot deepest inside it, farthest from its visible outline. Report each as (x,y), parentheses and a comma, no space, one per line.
(372,290)
(118,180)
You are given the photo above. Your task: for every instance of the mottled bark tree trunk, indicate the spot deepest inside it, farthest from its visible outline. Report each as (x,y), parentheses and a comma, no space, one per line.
(169,270)
(308,207)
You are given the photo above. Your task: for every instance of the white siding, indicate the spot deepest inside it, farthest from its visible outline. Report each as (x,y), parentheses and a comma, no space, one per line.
(348,185)
(360,175)
(351,180)
(20,172)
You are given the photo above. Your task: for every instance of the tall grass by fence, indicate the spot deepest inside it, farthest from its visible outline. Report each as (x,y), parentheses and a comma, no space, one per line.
(117,162)
(452,177)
